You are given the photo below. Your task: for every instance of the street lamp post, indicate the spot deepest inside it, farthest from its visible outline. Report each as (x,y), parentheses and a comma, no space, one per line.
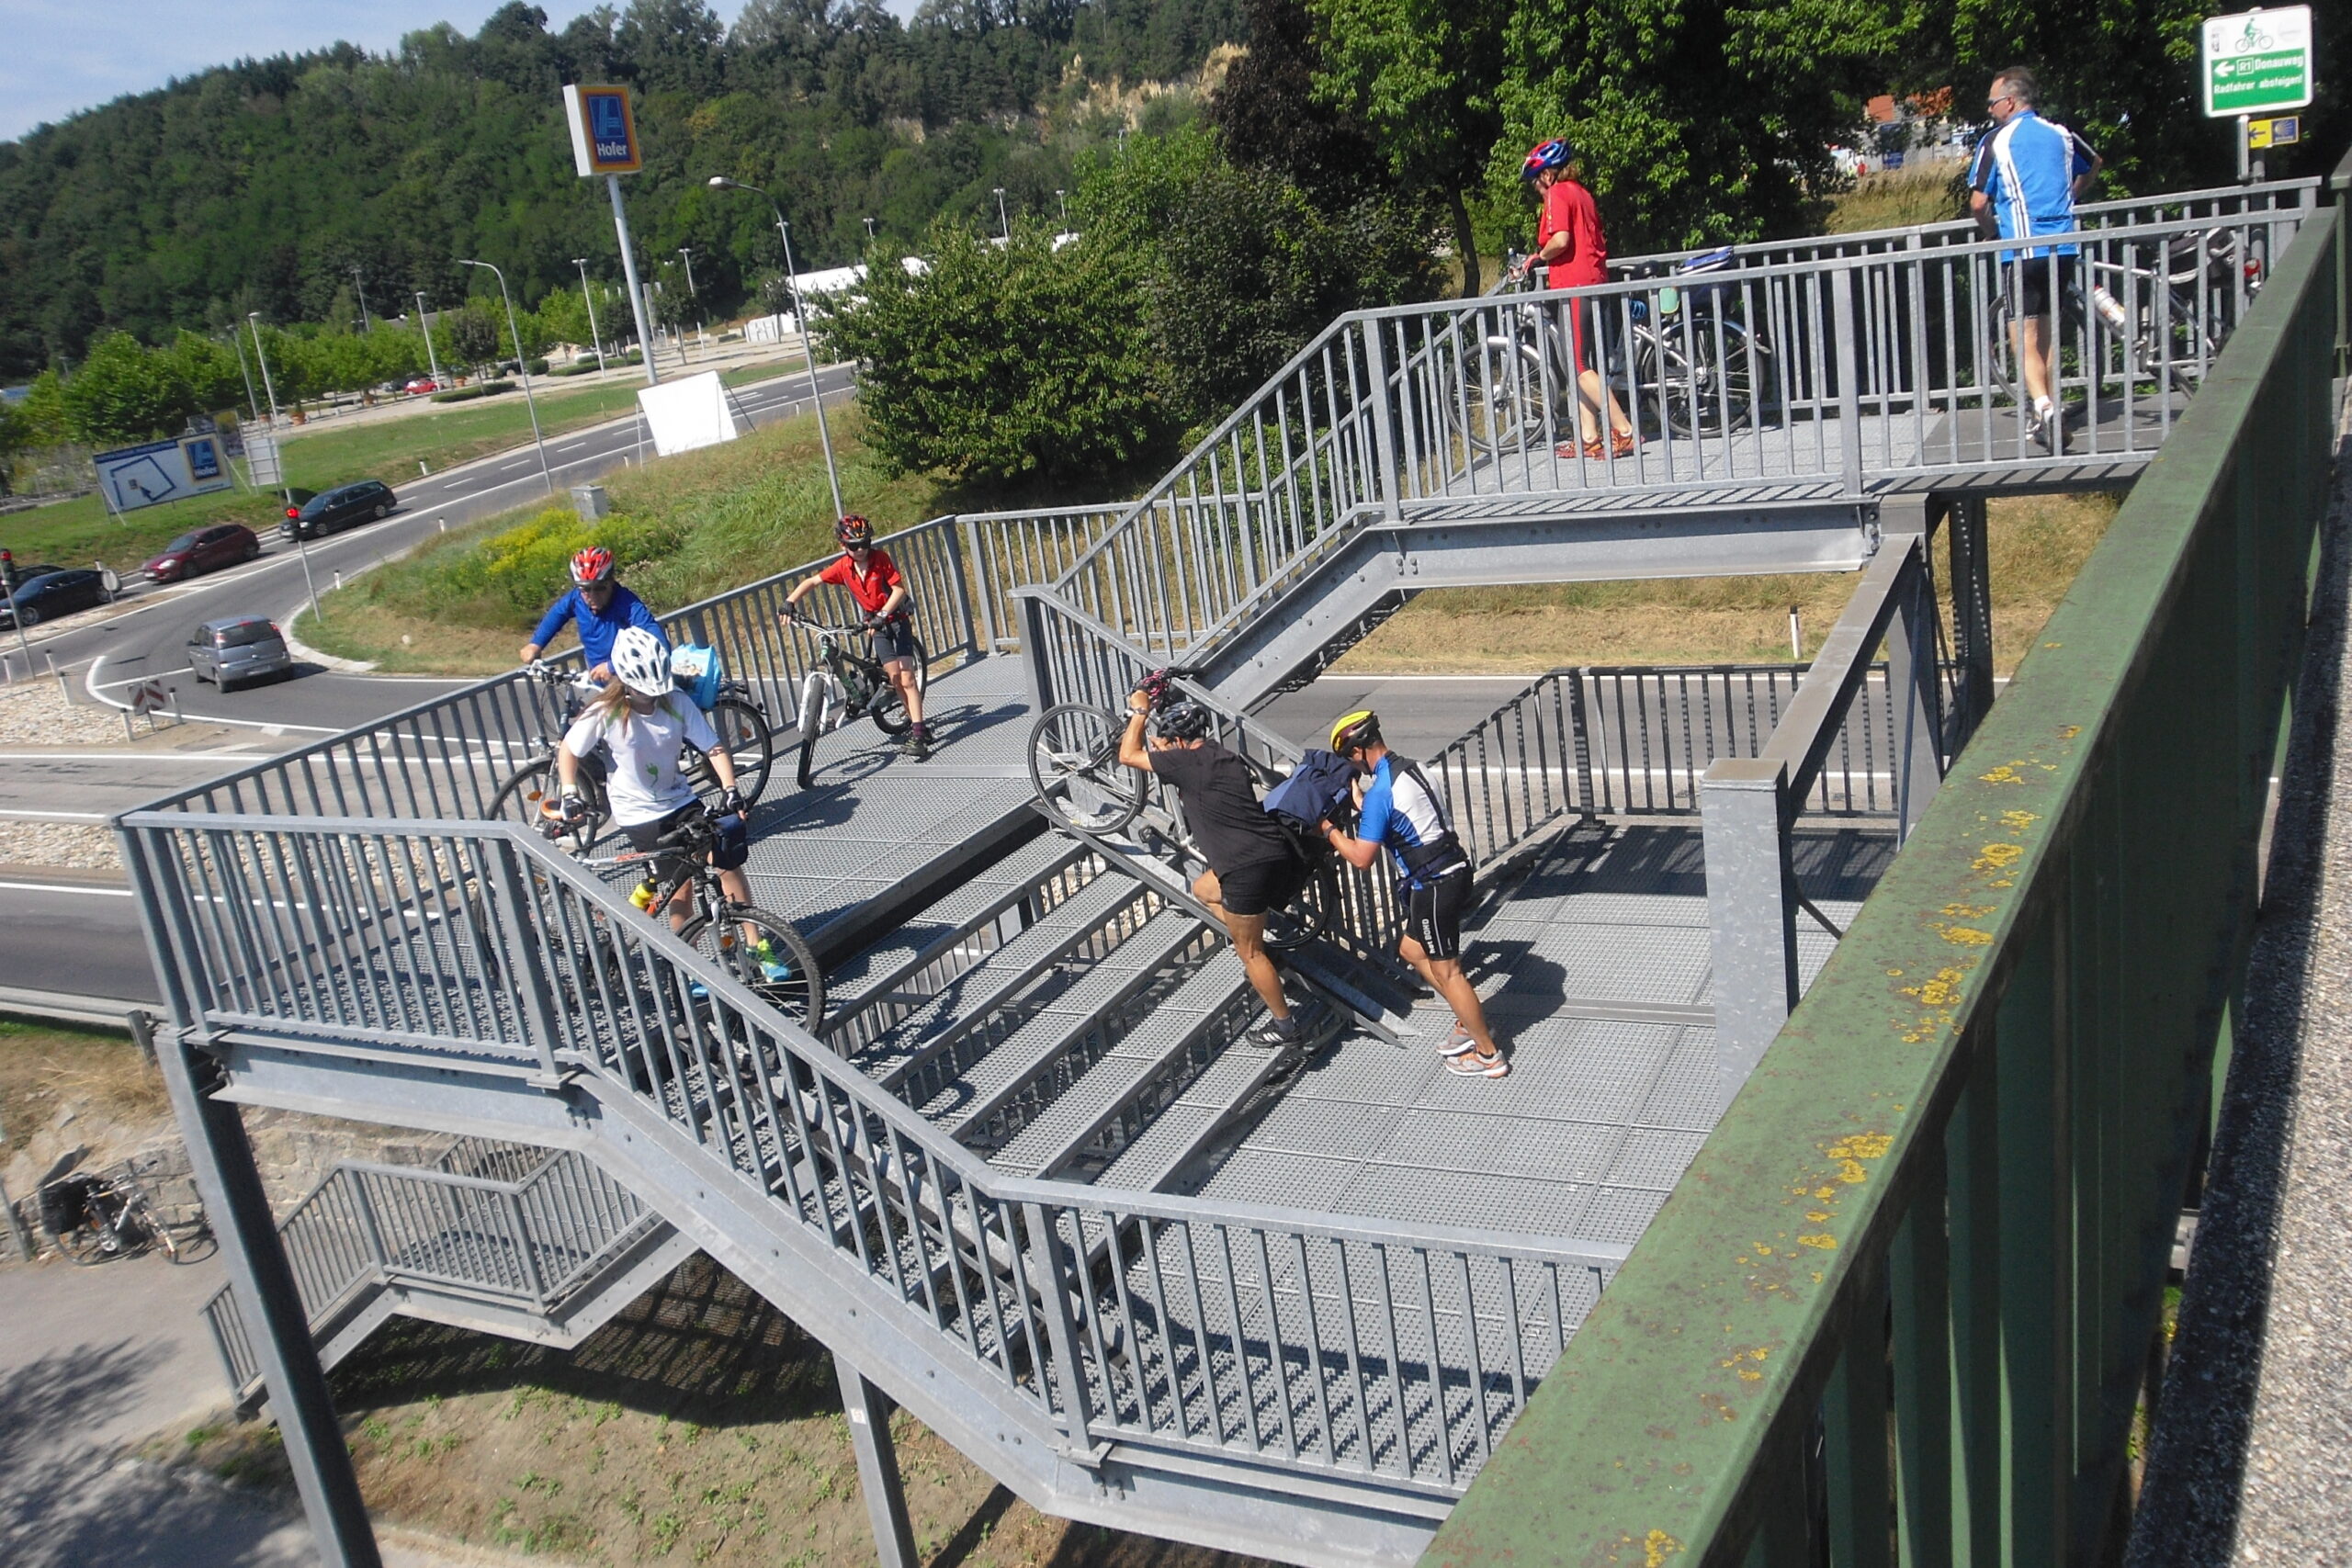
(301,544)
(808,342)
(1063,196)
(425,327)
(869,231)
(692,293)
(522,369)
(1002,221)
(595,335)
(357,283)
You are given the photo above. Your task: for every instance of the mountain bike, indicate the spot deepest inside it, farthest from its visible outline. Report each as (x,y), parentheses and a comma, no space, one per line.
(1681,354)
(96,1219)
(2183,306)
(763,950)
(845,685)
(1075,770)
(530,793)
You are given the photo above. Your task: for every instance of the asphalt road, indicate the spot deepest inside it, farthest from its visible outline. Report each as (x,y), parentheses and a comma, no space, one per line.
(145,639)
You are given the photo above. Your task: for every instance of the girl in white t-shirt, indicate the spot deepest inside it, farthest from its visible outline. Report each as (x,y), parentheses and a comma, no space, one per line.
(645,726)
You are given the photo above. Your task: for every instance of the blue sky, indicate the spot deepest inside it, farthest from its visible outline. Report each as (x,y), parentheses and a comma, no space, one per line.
(67,55)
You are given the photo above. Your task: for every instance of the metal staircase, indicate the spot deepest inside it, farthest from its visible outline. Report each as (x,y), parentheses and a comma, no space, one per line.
(974,1186)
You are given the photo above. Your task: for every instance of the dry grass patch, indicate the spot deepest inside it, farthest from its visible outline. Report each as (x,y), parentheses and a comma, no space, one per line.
(700,1427)
(2037,545)
(46,1068)
(1928,193)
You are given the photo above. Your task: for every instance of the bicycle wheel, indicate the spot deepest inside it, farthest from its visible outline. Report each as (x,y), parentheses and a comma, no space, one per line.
(1308,914)
(535,784)
(1501,397)
(1074,766)
(743,731)
(1732,375)
(144,1222)
(890,715)
(766,953)
(816,702)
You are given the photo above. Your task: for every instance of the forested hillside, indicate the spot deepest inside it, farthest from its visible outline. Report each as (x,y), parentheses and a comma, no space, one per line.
(261,186)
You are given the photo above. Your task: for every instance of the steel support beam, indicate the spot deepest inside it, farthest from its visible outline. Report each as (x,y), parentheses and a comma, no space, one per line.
(1916,699)
(222,1163)
(1972,613)
(1751,911)
(868,1409)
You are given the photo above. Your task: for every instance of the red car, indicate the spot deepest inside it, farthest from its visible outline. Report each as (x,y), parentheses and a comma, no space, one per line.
(206,549)
(421,384)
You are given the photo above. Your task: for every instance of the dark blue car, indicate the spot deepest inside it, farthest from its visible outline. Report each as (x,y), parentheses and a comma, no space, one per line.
(52,594)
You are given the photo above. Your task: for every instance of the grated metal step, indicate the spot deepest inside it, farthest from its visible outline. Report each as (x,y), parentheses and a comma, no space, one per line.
(985,1089)
(1215,994)
(873,972)
(1184,1127)
(968,999)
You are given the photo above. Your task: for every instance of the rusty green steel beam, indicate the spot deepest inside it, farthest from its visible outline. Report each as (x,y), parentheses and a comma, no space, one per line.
(2071,915)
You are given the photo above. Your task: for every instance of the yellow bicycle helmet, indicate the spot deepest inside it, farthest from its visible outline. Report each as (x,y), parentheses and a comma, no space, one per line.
(1361,728)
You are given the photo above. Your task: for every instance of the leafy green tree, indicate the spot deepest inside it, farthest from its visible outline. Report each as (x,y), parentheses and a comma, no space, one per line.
(1003,362)
(1420,76)
(214,379)
(125,392)
(15,439)
(563,318)
(475,337)
(1699,121)
(44,410)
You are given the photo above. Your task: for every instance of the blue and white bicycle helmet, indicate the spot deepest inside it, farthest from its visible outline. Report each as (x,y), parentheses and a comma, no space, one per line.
(1553,154)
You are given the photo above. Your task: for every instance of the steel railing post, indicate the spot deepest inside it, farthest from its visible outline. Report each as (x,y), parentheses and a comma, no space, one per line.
(1847,360)
(2339,182)
(1581,736)
(1751,910)
(1384,422)
(1061,1329)
(1035,659)
(521,1234)
(1912,689)
(526,962)
(363,1203)
(972,555)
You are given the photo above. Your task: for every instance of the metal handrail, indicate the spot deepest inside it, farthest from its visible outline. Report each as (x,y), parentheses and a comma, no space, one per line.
(1913,1276)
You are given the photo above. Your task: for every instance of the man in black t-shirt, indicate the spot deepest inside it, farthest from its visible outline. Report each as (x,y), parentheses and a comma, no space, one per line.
(1253,866)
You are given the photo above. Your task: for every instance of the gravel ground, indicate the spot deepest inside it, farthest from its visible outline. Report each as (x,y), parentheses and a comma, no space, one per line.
(2252,1457)
(35,713)
(83,846)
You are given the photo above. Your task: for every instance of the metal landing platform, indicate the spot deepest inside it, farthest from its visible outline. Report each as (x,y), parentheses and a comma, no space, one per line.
(1595,971)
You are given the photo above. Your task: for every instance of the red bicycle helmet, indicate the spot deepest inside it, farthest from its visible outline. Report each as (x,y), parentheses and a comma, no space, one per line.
(853,530)
(593,564)
(1552,154)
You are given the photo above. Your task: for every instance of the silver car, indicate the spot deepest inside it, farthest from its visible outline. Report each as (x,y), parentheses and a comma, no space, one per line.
(237,650)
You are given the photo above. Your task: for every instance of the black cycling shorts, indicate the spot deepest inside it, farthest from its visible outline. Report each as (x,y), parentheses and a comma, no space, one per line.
(1260,885)
(2027,283)
(1433,913)
(894,639)
(646,837)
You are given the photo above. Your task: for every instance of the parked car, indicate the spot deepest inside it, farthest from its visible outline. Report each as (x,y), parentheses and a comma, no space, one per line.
(419,384)
(205,550)
(52,594)
(237,650)
(339,508)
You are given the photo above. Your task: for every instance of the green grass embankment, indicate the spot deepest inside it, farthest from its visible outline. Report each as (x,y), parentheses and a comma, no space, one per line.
(682,527)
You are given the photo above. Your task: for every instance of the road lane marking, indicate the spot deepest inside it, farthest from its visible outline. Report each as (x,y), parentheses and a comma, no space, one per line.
(86,891)
(55,816)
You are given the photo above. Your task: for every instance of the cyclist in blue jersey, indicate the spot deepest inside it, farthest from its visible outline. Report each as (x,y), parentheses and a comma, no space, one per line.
(599,608)
(2028,175)
(1402,813)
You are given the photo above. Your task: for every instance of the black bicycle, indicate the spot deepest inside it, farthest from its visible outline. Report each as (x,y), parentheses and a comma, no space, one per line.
(529,794)
(97,1219)
(763,950)
(1075,769)
(845,685)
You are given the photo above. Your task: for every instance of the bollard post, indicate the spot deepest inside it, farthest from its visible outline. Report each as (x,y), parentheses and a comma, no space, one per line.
(445,524)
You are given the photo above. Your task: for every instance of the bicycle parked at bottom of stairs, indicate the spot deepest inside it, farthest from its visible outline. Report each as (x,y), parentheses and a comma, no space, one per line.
(96,1219)
(844,685)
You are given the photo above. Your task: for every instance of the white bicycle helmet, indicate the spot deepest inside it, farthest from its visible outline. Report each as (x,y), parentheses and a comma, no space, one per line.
(641,662)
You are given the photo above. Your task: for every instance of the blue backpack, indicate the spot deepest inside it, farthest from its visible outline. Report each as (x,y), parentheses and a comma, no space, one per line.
(1314,790)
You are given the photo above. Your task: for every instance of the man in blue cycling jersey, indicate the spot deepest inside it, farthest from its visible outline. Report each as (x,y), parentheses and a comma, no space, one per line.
(2028,175)
(599,608)
(1402,813)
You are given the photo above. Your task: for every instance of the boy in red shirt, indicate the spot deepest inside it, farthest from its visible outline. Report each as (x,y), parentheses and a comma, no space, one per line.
(874,580)
(1571,249)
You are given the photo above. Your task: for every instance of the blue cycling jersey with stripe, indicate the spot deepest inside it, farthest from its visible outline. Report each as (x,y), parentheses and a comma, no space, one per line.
(2027,170)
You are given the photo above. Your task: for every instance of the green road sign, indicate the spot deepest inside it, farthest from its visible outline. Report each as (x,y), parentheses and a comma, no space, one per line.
(2257,61)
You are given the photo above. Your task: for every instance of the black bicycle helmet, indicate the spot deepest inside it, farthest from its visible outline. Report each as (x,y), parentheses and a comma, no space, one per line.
(853,531)
(1183,719)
